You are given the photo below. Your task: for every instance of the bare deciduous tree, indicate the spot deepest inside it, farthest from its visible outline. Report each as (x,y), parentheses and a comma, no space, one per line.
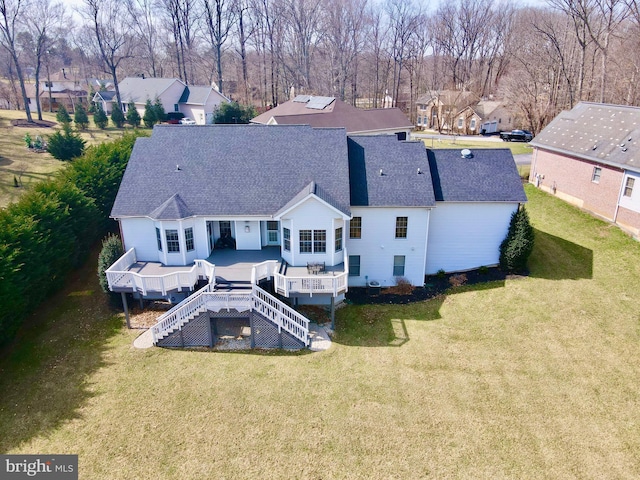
(10,13)
(110,34)
(41,25)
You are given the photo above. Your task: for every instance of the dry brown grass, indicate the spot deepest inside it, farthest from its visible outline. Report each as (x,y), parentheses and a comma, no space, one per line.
(533,378)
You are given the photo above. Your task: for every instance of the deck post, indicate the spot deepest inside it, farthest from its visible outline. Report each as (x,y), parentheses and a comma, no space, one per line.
(333,313)
(126,308)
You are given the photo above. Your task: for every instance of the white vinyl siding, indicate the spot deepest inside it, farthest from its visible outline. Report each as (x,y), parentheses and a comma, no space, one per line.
(463,236)
(379,244)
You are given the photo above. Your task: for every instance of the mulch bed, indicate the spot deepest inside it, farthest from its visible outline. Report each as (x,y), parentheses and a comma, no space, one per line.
(35,124)
(147,317)
(434,286)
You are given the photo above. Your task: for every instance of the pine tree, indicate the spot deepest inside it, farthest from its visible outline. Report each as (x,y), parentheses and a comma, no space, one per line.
(117,117)
(133,117)
(516,248)
(67,146)
(80,117)
(158,108)
(100,118)
(62,116)
(149,118)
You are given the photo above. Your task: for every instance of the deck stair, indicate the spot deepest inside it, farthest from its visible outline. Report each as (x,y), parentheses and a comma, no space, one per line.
(254,299)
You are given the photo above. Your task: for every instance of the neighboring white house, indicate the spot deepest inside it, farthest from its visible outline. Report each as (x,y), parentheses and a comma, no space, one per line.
(194,101)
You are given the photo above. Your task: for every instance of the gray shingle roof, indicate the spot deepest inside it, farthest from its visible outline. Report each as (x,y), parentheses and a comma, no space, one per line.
(195,95)
(607,134)
(337,114)
(107,96)
(142,89)
(490,175)
(400,184)
(173,209)
(232,170)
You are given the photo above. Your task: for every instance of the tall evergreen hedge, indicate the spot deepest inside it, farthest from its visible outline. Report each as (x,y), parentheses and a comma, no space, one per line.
(50,230)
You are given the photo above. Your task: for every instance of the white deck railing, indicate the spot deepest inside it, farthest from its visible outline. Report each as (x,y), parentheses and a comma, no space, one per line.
(263,270)
(181,313)
(119,276)
(283,316)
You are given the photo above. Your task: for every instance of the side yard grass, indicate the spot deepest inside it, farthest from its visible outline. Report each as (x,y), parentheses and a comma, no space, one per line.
(450,141)
(29,167)
(533,377)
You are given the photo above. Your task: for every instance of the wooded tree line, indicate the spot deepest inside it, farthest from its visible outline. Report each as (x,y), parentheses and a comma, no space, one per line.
(366,52)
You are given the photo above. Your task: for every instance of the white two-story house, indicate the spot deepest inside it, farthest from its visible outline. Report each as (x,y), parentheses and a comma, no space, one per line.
(311,210)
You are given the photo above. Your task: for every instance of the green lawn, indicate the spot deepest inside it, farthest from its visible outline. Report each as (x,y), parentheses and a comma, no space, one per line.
(27,166)
(532,378)
(449,141)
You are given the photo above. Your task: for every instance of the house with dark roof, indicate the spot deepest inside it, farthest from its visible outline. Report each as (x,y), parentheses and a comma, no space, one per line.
(105,98)
(194,101)
(589,156)
(240,205)
(331,112)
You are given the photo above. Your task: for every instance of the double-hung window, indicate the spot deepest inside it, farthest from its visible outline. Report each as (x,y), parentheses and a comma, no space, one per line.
(188,238)
(355,227)
(398,265)
(401,227)
(173,242)
(628,186)
(338,239)
(595,177)
(158,239)
(319,241)
(286,233)
(354,265)
(306,245)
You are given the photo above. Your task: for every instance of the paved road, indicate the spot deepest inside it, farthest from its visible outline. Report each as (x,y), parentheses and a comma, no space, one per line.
(523,159)
(471,138)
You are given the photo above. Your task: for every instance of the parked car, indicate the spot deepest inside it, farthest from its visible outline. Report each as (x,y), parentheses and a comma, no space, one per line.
(174,117)
(187,121)
(516,136)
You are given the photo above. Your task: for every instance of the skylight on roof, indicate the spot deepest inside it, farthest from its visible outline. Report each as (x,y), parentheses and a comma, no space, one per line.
(302,98)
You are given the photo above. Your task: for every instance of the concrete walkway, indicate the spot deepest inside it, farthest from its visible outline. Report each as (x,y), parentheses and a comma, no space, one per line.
(318,335)
(319,338)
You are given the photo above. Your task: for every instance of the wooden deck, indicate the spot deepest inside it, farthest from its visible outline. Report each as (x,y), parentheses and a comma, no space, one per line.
(228,266)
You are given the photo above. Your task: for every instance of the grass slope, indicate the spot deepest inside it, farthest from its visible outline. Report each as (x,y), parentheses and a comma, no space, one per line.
(29,167)
(529,378)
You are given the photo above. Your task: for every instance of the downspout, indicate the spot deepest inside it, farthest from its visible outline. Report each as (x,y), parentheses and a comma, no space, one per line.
(533,172)
(426,244)
(615,214)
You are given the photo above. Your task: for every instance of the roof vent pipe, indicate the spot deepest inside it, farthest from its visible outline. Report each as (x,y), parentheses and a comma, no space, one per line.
(177,168)
(419,171)
(381,174)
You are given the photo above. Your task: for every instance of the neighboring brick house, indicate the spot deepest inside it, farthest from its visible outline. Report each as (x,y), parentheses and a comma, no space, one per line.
(589,157)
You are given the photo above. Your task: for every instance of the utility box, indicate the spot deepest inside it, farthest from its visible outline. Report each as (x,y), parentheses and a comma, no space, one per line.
(373,288)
